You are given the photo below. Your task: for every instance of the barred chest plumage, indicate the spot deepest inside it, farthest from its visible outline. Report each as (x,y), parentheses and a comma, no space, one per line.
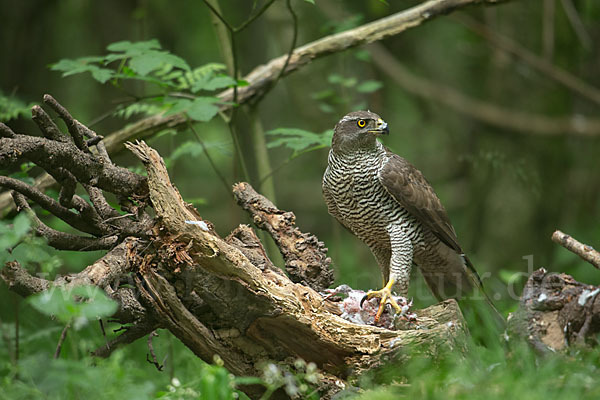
(367,209)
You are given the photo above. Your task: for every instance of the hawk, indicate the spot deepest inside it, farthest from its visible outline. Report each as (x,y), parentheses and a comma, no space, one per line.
(389,205)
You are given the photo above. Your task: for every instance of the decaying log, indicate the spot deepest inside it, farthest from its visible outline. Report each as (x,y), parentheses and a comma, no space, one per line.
(218,296)
(556,311)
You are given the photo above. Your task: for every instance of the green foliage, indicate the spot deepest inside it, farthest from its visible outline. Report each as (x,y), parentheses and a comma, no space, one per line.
(17,244)
(41,377)
(298,140)
(12,234)
(214,382)
(180,88)
(297,381)
(79,305)
(147,109)
(489,374)
(200,109)
(193,150)
(346,93)
(13,108)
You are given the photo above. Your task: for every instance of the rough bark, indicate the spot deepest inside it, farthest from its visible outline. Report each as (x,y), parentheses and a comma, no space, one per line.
(305,256)
(555,311)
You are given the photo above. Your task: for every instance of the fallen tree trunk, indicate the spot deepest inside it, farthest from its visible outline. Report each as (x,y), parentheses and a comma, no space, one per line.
(219,296)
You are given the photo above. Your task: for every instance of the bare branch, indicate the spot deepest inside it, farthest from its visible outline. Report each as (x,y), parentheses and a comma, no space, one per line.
(553,72)
(61,340)
(305,256)
(153,360)
(72,124)
(61,240)
(577,24)
(130,335)
(20,281)
(46,125)
(49,204)
(58,156)
(587,253)
(5,131)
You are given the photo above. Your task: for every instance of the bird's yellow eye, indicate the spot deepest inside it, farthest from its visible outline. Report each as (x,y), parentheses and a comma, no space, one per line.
(361,123)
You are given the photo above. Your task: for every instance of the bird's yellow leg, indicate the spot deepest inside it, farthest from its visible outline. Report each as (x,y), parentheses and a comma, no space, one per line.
(385,295)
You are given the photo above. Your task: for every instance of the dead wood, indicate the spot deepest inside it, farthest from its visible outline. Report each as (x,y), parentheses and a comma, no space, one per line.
(587,253)
(555,311)
(306,260)
(218,296)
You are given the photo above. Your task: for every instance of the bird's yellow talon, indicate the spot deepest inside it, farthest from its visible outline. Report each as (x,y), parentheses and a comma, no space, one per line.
(385,296)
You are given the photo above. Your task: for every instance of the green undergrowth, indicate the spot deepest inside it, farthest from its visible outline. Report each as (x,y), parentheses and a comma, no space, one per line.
(486,373)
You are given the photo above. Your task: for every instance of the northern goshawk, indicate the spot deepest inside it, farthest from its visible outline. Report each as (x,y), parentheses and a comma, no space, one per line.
(389,205)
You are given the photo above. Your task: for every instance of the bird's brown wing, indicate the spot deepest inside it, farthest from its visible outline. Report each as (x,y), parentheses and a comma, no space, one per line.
(410,189)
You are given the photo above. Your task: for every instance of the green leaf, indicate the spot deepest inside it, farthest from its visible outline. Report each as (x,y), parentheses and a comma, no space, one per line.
(145,63)
(193,149)
(21,225)
(362,55)
(12,108)
(310,1)
(299,140)
(205,80)
(219,82)
(340,80)
(203,109)
(177,105)
(369,86)
(248,380)
(323,94)
(72,67)
(134,48)
(138,108)
(79,304)
(12,234)
(101,74)
(200,109)
(96,305)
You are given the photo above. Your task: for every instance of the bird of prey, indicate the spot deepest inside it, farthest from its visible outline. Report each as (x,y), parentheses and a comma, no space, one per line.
(389,205)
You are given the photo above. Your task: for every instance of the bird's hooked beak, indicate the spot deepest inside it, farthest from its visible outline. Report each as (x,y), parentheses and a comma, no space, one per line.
(382,128)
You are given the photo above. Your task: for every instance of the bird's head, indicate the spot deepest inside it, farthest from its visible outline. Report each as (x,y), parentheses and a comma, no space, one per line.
(358,130)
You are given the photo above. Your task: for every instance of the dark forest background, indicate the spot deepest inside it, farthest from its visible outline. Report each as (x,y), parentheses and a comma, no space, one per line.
(506,187)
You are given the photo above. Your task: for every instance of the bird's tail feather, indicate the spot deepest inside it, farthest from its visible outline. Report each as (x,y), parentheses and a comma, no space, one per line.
(477,284)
